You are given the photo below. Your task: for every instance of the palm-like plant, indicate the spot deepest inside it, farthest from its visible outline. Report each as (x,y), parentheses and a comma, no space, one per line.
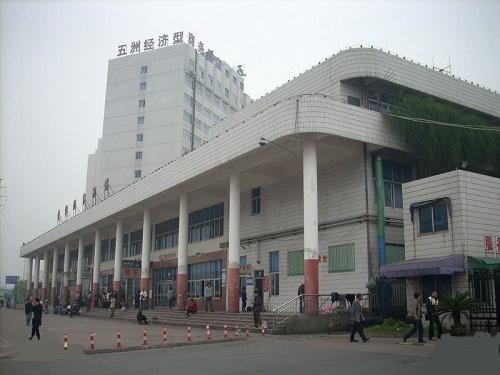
(461,304)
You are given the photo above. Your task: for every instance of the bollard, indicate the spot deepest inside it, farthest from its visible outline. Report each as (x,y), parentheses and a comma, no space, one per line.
(236,331)
(118,339)
(144,337)
(189,334)
(248,330)
(225,331)
(208,332)
(164,335)
(65,341)
(92,346)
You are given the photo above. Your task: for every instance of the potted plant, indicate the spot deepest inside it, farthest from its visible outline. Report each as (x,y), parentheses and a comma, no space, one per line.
(461,304)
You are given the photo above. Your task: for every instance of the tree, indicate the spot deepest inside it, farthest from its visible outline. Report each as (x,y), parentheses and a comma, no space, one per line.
(19,290)
(439,148)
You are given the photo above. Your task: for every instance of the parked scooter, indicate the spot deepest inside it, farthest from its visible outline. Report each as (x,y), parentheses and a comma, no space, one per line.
(73,310)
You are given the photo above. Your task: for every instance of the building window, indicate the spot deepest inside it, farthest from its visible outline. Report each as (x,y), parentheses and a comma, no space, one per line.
(188,117)
(241,86)
(135,242)
(394,175)
(202,73)
(235,99)
(207,223)
(274,272)
(144,69)
(167,234)
(188,99)
(394,253)
(210,80)
(341,258)
(225,108)
(208,95)
(140,120)
(219,87)
(139,137)
(142,86)
(142,103)
(226,73)
(296,263)
(216,102)
(137,173)
(199,90)
(88,253)
(353,101)
(433,217)
(199,107)
(207,112)
(198,123)
(104,250)
(200,274)
(188,81)
(216,118)
(196,141)
(112,246)
(256,201)
(226,93)
(234,80)
(186,134)
(206,128)
(138,155)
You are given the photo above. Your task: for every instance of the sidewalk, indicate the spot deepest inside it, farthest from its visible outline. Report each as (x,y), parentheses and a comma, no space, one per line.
(14,336)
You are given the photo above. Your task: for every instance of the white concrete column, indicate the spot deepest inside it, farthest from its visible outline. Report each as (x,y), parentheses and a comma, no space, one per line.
(79,264)
(146,252)
(97,262)
(233,272)
(182,258)
(53,291)
(45,279)
(310,176)
(30,277)
(36,276)
(117,277)
(65,297)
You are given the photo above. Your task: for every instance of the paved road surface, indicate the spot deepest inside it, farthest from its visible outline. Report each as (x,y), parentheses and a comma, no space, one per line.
(297,354)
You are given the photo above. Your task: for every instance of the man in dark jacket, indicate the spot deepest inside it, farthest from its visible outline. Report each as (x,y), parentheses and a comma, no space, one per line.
(257,308)
(300,293)
(432,316)
(28,311)
(357,318)
(37,318)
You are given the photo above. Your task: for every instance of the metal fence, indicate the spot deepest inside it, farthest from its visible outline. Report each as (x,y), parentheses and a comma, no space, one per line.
(484,286)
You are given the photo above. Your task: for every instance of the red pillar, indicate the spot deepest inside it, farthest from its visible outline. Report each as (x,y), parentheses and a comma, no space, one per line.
(35,293)
(311,285)
(64,295)
(53,293)
(44,294)
(95,291)
(233,290)
(181,291)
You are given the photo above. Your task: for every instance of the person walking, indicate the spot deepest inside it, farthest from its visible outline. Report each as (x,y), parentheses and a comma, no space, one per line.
(37,309)
(432,315)
(357,318)
(28,311)
(112,305)
(170,298)
(209,293)
(415,312)
(257,308)
(300,292)
(144,298)
(243,299)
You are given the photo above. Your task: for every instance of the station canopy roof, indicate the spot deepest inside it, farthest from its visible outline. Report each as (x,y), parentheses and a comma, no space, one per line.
(443,265)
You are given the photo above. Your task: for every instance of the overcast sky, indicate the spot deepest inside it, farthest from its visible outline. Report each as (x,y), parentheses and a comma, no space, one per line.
(54,57)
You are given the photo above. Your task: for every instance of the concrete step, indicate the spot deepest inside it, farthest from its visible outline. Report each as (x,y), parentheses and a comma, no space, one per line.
(215,320)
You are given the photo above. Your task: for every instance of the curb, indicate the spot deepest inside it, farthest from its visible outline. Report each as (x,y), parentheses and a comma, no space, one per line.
(159,346)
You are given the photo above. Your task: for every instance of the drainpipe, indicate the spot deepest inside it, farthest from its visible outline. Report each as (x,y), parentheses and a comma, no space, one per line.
(384,288)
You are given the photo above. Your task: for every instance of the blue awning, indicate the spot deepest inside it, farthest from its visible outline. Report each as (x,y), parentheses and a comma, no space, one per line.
(444,265)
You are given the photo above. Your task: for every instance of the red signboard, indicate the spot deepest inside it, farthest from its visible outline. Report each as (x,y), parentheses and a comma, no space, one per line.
(266,283)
